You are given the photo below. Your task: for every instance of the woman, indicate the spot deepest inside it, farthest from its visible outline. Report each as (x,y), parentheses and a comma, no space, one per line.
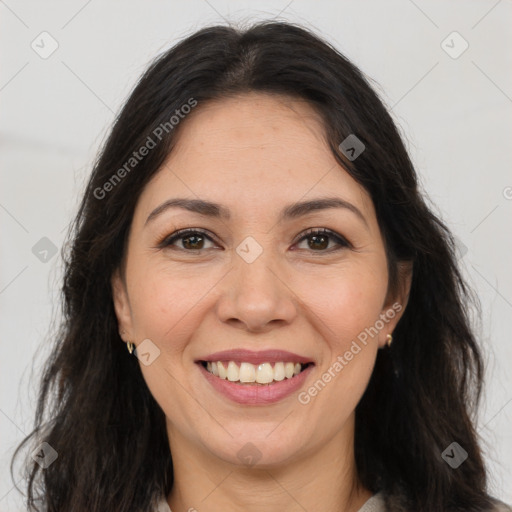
(253,228)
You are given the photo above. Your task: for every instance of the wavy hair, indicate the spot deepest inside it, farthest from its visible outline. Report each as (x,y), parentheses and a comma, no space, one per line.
(94,407)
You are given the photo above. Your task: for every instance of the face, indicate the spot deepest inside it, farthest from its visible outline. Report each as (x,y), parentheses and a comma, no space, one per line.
(272,285)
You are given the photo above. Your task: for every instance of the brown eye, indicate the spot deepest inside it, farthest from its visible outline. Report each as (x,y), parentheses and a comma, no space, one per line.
(319,239)
(191,240)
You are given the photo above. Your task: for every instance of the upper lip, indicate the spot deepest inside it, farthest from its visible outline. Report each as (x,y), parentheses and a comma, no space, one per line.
(263,356)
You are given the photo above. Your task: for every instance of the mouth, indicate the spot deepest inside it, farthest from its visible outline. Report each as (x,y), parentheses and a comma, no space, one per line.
(245,373)
(255,378)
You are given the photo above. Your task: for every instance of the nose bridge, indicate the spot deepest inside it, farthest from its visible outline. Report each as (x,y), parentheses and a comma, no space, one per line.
(255,264)
(255,267)
(256,294)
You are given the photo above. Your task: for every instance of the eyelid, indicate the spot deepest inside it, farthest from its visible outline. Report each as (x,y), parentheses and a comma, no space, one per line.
(180,233)
(340,239)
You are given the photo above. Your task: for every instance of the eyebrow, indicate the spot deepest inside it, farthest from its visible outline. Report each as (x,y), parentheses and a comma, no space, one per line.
(292,211)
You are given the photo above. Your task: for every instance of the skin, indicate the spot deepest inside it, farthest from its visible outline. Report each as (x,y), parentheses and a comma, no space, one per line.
(256,154)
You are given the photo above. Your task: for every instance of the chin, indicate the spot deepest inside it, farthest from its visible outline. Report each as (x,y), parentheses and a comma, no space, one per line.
(260,450)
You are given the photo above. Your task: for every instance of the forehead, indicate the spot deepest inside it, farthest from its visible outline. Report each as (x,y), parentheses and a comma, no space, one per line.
(254,149)
(250,122)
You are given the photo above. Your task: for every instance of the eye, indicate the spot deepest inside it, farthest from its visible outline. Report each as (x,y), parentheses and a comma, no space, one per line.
(194,240)
(191,239)
(319,240)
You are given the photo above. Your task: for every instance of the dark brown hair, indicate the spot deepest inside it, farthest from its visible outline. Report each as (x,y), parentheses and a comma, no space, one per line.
(95,408)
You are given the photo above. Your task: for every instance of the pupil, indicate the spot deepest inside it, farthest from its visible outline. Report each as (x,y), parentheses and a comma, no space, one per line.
(319,237)
(187,244)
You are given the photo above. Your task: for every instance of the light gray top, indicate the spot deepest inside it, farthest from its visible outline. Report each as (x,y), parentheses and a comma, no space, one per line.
(374,504)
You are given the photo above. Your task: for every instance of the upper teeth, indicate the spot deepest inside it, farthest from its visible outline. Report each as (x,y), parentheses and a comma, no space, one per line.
(262,373)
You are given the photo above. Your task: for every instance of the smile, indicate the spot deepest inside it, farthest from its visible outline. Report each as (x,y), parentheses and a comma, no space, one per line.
(245,373)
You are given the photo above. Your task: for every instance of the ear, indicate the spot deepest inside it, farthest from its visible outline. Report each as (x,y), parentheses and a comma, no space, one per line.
(395,305)
(121,306)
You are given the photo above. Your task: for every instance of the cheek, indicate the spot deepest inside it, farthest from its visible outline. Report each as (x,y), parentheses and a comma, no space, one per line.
(163,304)
(347,302)
(345,309)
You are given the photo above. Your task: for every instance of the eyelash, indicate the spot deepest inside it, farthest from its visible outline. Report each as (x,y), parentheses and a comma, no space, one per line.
(182,233)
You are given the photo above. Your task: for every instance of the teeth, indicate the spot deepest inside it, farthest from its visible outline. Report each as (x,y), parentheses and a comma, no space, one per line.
(221,370)
(263,373)
(233,371)
(279,373)
(247,372)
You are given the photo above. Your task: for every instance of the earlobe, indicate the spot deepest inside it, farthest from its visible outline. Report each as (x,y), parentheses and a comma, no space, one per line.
(121,304)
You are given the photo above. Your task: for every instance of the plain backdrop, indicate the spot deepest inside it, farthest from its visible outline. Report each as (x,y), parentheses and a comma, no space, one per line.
(442,68)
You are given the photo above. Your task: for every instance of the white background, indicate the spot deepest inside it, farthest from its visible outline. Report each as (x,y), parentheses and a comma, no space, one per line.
(455,114)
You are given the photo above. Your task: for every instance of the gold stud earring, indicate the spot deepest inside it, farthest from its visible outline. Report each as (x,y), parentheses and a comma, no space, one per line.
(389,339)
(130,346)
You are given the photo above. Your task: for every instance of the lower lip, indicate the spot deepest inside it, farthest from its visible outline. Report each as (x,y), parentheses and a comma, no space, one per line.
(256,394)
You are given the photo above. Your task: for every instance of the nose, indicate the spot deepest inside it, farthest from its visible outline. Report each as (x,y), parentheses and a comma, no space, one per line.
(257,296)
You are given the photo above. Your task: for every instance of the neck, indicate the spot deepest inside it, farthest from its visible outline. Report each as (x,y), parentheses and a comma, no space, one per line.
(324,479)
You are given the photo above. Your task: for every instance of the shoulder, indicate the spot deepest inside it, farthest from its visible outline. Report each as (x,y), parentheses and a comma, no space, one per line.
(374,504)
(501,507)
(383,502)
(163,506)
